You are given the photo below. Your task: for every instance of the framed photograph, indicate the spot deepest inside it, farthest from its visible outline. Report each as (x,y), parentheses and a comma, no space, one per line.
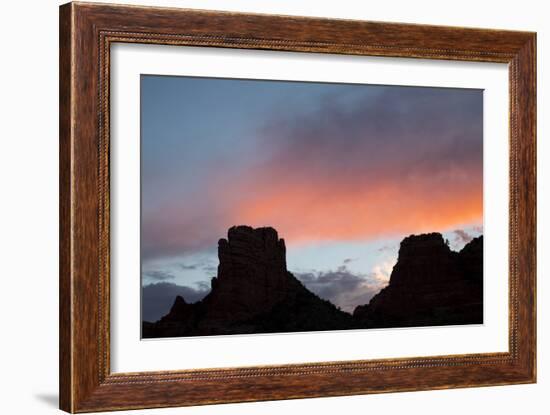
(259,207)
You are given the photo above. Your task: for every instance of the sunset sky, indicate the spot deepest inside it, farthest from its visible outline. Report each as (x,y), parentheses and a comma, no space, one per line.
(343,172)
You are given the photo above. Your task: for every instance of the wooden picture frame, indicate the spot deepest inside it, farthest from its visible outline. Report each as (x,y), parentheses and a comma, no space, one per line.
(86,33)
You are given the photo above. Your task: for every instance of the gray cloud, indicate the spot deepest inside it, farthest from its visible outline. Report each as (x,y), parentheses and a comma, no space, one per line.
(159,275)
(342,287)
(188,267)
(157,298)
(462,237)
(210,268)
(207,266)
(388,248)
(203,286)
(398,132)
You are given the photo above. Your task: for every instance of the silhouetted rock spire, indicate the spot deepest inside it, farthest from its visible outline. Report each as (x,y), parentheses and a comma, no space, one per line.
(429,285)
(252,293)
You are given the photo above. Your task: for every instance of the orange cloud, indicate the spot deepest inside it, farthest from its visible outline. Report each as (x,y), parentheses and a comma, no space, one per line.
(304,213)
(408,160)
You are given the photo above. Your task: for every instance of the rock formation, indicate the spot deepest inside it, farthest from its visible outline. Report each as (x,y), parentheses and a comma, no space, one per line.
(430,285)
(252,293)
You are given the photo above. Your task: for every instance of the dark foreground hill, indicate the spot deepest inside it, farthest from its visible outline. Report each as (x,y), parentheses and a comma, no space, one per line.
(254,292)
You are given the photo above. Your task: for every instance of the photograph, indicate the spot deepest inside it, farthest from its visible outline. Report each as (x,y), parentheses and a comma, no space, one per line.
(276,206)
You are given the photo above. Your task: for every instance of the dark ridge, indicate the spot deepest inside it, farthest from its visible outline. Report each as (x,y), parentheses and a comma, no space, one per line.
(254,292)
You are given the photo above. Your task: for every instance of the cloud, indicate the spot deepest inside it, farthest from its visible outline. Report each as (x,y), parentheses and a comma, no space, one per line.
(159,275)
(158,298)
(410,162)
(345,288)
(382,272)
(187,267)
(206,265)
(348,260)
(387,248)
(202,286)
(400,160)
(462,237)
(210,268)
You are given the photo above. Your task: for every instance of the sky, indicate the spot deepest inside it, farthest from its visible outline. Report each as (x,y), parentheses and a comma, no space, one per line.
(343,172)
